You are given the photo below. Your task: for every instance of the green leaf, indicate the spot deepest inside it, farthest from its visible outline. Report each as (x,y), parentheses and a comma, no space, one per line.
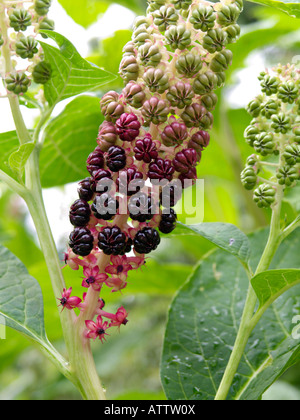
(71,74)
(203,322)
(9,143)
(69,139)
(269,285)
(292,8)
(21,301)
(224,235)
(86,12)
(18,159)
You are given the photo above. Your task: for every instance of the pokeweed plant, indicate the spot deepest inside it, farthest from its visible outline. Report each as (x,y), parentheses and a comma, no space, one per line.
(146,153)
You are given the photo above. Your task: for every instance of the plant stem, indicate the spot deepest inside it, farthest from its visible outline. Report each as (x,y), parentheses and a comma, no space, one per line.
(246,326)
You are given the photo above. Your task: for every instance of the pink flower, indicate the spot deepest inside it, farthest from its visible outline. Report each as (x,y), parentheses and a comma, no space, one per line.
(116,282)
(92,278)
(66,301)
(118,319)
(119,265)
(96,329)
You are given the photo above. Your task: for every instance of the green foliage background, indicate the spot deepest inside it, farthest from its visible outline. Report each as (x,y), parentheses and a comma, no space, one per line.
(129,361)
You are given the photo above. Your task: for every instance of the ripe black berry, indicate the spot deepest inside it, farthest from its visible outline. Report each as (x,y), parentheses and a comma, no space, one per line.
(130,181)
(141,207)
(81,241)
(116,158)
(85,189)
(105,207)
(101,181)
(145,149)
(112,240)
(168,221)
(80,213)
(146,240)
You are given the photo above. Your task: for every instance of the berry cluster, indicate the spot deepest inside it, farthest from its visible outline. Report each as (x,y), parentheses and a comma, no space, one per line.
(274,134)
(24,20)
(152,139)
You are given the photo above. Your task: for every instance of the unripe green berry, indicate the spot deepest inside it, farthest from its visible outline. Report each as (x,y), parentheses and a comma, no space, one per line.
(292,154)
(165,17)
(42,73)
(221,78)
(205,83)
(188,64)
(134,94)
(140,36)
(270,108)
(1,41)
(269,84)
(26,47)
(20,19)
(156,80)
(221,61)
(178,37)
(17,82)
(129,49)
(182,4)
(250,134)
(249,178)
(233,32)
(46,24)
(287,175)
(180,95)
(195,115)
(149,54)
(155,5)
(155,111)
(264,143)
(129,68)
(139,21)
(228,15)
(110,106)
(42,7)
(281,123)
(209,100)
(288,92)
(215,40)
(203,18)
(252,160)
(296,133)
(264,195)
(254,108)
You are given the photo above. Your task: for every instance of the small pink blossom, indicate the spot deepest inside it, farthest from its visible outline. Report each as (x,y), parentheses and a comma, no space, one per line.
(96,329)
(66,301)
(117,319)
(119,266)
(92,278)
(116,283)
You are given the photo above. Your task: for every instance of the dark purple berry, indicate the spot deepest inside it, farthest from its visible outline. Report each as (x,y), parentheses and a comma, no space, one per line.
(145,149)
(85,191)
(116,158)
(81,241)
(174,134)
(141,207)
(199,141)
(95,161)
(168,221)
(128,127)
(101,181)
(112,240)
(80,213)
(146,240)
(105,207)
(161,169)
(185,160)
(130,181)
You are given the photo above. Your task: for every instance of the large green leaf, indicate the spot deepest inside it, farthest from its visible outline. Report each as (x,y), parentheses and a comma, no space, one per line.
(224,235)
(292,8)
(9,144)
(21,302)
(203,323)
(18,159)
(71,74)
(269,285)
(86,12)
(69,139)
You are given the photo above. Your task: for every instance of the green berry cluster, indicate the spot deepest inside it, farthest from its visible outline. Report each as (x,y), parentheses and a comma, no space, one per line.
(274,134)
(32,18)
(175,61)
